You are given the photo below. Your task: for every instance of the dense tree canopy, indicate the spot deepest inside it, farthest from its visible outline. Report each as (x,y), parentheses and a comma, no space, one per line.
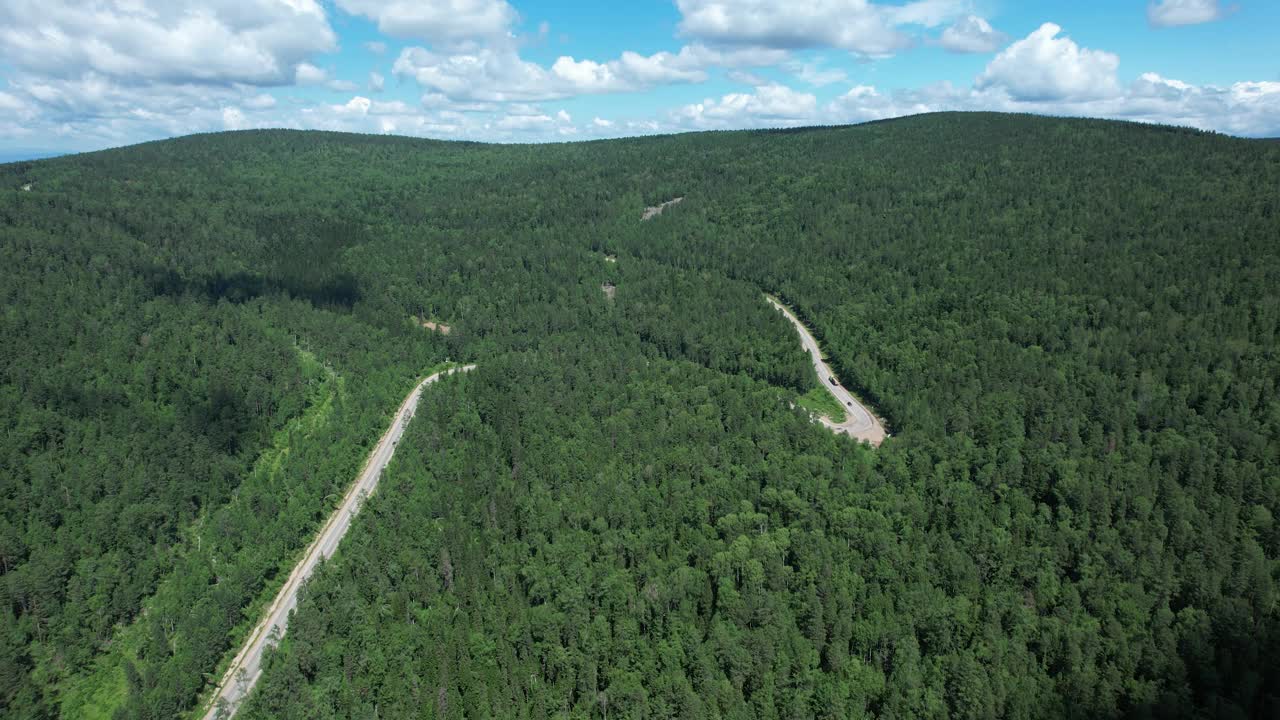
(1070,325)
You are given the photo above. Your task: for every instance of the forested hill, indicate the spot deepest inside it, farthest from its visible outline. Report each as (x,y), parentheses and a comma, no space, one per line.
(1071,327)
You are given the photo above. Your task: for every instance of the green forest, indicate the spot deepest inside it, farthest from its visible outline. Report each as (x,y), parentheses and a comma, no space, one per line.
(1071,327)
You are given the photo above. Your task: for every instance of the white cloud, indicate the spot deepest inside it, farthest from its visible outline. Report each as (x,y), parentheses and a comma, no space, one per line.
(972,34)
(1171,13)
(485,75)
(770,105)
(356,105)
(1043,66)
(864,102)
(232,118)
(641,127)
(261,101)
(859,26)
(308,74)
(661,68)
(437,21)
(1042,74)
(812,73)
(256,42)
(376,47)
(524,122)
(15,107)
(498,74)
(360,105)
(483,89)
(92,111)
(342,86)
(746,78)
(1244,108)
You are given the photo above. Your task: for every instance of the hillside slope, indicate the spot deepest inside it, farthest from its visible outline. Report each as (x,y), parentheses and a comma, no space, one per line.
(1070,325)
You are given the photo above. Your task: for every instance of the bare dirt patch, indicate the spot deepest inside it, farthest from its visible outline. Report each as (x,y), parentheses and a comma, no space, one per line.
(609,290)
(656,210)
(434,326)
(27,187)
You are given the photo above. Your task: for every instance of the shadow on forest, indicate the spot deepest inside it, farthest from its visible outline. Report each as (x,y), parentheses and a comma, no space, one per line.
(340,290)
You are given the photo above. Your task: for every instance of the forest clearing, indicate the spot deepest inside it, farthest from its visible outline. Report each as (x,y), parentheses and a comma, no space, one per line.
(656,210)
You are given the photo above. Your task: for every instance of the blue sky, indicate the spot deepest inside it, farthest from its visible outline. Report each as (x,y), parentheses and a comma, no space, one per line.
(87,74)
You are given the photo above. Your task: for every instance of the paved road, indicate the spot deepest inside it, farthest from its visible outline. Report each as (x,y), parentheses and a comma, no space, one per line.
(859,422)
(247,666)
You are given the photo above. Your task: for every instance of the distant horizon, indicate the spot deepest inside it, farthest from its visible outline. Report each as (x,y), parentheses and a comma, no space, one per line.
(24,155)
(76,79)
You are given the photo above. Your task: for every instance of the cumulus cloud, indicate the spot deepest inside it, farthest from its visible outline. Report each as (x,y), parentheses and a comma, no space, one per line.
(768,105)
(232,118)
(255,42)
(394,107)
(15,107)
(486,75)
(308,74)
(972,34)
(498,74)
(1043,66)
(524,123)
(1171,13)
(859,26)
(438,21)
(525,119)
(93,111)
(1042,74)
(862,103)
(478,86)
(1244,108)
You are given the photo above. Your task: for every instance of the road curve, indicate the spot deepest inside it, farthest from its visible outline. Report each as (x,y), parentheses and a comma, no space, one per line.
(246,668)
(860,423)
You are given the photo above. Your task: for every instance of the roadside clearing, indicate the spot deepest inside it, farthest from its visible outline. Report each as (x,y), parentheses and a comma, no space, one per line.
(246,668)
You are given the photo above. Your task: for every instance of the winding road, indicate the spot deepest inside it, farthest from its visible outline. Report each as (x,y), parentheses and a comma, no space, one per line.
(246,668)
(860,423)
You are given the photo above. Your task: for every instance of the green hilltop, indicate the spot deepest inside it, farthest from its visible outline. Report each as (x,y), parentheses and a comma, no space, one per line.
(1069,325)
